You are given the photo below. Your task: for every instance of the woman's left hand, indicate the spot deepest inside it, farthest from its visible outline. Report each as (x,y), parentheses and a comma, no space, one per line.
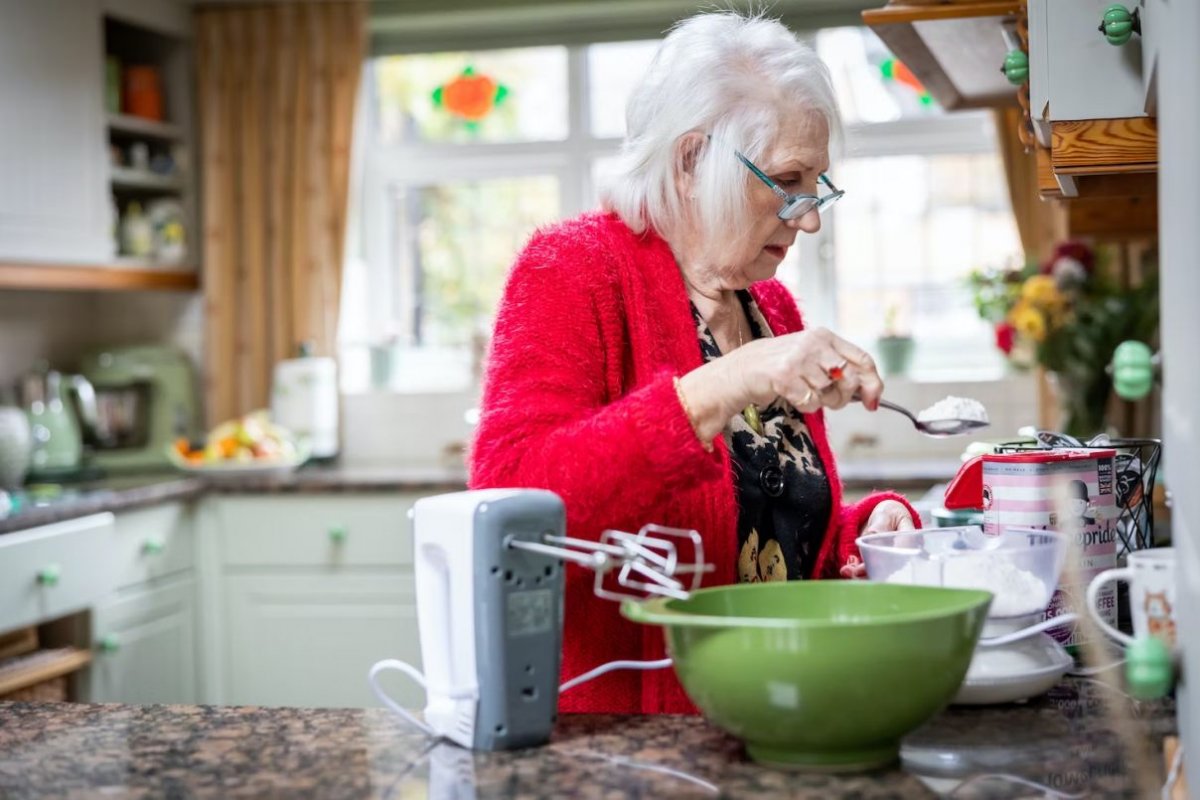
(888,516)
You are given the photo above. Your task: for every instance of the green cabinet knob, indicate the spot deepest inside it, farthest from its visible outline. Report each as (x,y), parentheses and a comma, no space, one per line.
(337,534)
(1016,67)
(110,644)
(49,575)
(1149,668)
(1119,25)
(1133,366)
(152,547)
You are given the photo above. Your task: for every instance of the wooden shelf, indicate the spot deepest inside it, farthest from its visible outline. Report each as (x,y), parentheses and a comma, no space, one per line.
(955,49)
(1091,159)
(139,180)
(25,671)
(1094,146)
(100,277)
(138,126)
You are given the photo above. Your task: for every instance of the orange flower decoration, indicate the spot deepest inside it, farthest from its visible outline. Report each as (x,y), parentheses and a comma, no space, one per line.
(470,96)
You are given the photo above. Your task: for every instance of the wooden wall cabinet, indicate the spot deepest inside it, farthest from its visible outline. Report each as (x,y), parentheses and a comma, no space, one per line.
(59,186)
(1090,104)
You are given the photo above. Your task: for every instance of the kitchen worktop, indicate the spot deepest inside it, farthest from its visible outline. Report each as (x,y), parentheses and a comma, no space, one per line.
(1065,742)
(45,504)
(42,505)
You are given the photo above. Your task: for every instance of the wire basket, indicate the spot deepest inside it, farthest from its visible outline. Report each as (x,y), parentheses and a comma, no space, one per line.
(1135,468)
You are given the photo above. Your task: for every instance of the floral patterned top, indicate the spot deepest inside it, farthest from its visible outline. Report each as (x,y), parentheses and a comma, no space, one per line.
(783,494)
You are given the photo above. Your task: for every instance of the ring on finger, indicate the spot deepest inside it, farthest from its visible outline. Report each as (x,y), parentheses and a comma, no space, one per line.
(808,398)
(837,371)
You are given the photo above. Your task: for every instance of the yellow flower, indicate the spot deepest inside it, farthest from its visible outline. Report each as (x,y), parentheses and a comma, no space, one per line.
(1041,291)
(1028,321)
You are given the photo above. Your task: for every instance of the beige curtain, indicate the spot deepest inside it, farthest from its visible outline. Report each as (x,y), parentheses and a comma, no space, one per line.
(1039,222)
(277,89)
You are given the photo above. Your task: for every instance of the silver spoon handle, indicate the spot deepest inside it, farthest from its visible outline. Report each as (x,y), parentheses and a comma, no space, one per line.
(899,409)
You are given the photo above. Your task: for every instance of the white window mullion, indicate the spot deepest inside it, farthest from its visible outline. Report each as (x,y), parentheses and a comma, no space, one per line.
(576,185)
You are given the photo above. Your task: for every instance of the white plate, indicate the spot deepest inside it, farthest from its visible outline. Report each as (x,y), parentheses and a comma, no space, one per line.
(1015,672)
(241,469)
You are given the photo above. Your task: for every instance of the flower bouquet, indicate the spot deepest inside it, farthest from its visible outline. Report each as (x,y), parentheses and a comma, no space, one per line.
(1067,316)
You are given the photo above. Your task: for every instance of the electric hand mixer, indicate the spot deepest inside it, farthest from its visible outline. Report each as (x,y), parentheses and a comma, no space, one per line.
(489,588)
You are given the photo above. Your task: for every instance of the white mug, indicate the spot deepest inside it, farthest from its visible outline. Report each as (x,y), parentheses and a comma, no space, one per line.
(1151,578)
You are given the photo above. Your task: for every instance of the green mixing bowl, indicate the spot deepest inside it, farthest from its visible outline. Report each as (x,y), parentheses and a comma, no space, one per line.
(824,675)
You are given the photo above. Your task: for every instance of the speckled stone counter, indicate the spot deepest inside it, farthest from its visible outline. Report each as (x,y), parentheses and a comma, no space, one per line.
(42,505)
(1065,744)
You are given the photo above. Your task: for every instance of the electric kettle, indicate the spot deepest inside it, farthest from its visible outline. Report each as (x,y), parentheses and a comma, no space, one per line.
(57,437)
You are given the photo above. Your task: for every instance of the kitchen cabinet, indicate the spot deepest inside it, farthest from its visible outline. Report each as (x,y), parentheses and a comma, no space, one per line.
(55,570)
(59,190)
(145,645)
(53,199)
(153,543)
(144,631)
(308,640)
(1088,105)
(303,593)
(1074,73)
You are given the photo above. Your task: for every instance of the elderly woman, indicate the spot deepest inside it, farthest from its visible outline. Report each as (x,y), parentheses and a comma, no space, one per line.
(647,367)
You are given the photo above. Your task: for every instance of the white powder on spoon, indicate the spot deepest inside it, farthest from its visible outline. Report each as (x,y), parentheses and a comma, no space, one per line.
(954,408)
(1015,591)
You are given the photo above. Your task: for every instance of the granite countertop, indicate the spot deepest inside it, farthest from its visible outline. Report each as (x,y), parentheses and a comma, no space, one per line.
(1062,745)
(44,504)
(49,503)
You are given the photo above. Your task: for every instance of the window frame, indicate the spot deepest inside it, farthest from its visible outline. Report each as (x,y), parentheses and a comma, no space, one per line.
(392,168)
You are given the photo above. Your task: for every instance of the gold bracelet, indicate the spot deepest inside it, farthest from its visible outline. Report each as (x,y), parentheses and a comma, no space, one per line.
(708,446)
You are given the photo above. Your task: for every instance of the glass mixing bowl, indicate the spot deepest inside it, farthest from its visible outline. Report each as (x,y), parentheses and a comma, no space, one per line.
(1019,567)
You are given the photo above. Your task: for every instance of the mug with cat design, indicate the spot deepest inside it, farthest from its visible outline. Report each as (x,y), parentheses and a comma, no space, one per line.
(1151,578)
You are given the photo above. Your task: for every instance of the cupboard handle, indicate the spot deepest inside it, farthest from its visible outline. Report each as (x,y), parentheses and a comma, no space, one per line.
(337,534)
(110,644)
(49,575)
(152,547)
(1016,67)
(1119,25)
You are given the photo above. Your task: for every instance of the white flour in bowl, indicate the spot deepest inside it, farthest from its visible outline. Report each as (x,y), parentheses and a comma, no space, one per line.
(954,408)
(1016,591)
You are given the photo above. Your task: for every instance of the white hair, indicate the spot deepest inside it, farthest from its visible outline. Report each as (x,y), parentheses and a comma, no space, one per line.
(726,75)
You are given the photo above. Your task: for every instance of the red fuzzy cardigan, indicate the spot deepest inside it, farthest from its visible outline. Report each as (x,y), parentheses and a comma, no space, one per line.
(579,399)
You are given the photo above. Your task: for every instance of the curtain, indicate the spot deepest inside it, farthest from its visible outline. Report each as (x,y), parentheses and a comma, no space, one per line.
(1039,222)
(277,92)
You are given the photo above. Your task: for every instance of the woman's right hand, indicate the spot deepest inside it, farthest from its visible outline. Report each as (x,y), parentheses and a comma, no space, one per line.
(795,366)
(803,368)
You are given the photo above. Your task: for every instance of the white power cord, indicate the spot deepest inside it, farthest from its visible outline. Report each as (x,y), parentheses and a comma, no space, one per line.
(395,665)
(410,671)
(609,667)
(1025,633)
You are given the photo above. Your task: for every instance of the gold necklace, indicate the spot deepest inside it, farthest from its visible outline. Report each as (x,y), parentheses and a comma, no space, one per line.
(750,412)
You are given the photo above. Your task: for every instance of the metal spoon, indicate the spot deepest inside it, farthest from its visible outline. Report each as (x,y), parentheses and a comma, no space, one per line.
(937,428)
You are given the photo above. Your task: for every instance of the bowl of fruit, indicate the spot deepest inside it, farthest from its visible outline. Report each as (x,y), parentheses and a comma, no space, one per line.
(249,445)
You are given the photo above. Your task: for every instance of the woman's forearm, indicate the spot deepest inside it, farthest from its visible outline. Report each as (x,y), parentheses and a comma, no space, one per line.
(710,397)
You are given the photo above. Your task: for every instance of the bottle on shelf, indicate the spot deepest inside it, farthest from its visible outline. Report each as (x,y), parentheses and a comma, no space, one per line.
(137,234)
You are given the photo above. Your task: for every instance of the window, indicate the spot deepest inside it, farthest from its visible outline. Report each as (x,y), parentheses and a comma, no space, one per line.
(446,201)
(448,198)
(926,203)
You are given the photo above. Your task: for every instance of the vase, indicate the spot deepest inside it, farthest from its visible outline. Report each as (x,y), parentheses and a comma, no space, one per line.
(1083,402)
(895,354)
(16,447)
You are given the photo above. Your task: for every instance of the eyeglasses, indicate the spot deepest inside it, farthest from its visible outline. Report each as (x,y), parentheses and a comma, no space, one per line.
(796,206)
